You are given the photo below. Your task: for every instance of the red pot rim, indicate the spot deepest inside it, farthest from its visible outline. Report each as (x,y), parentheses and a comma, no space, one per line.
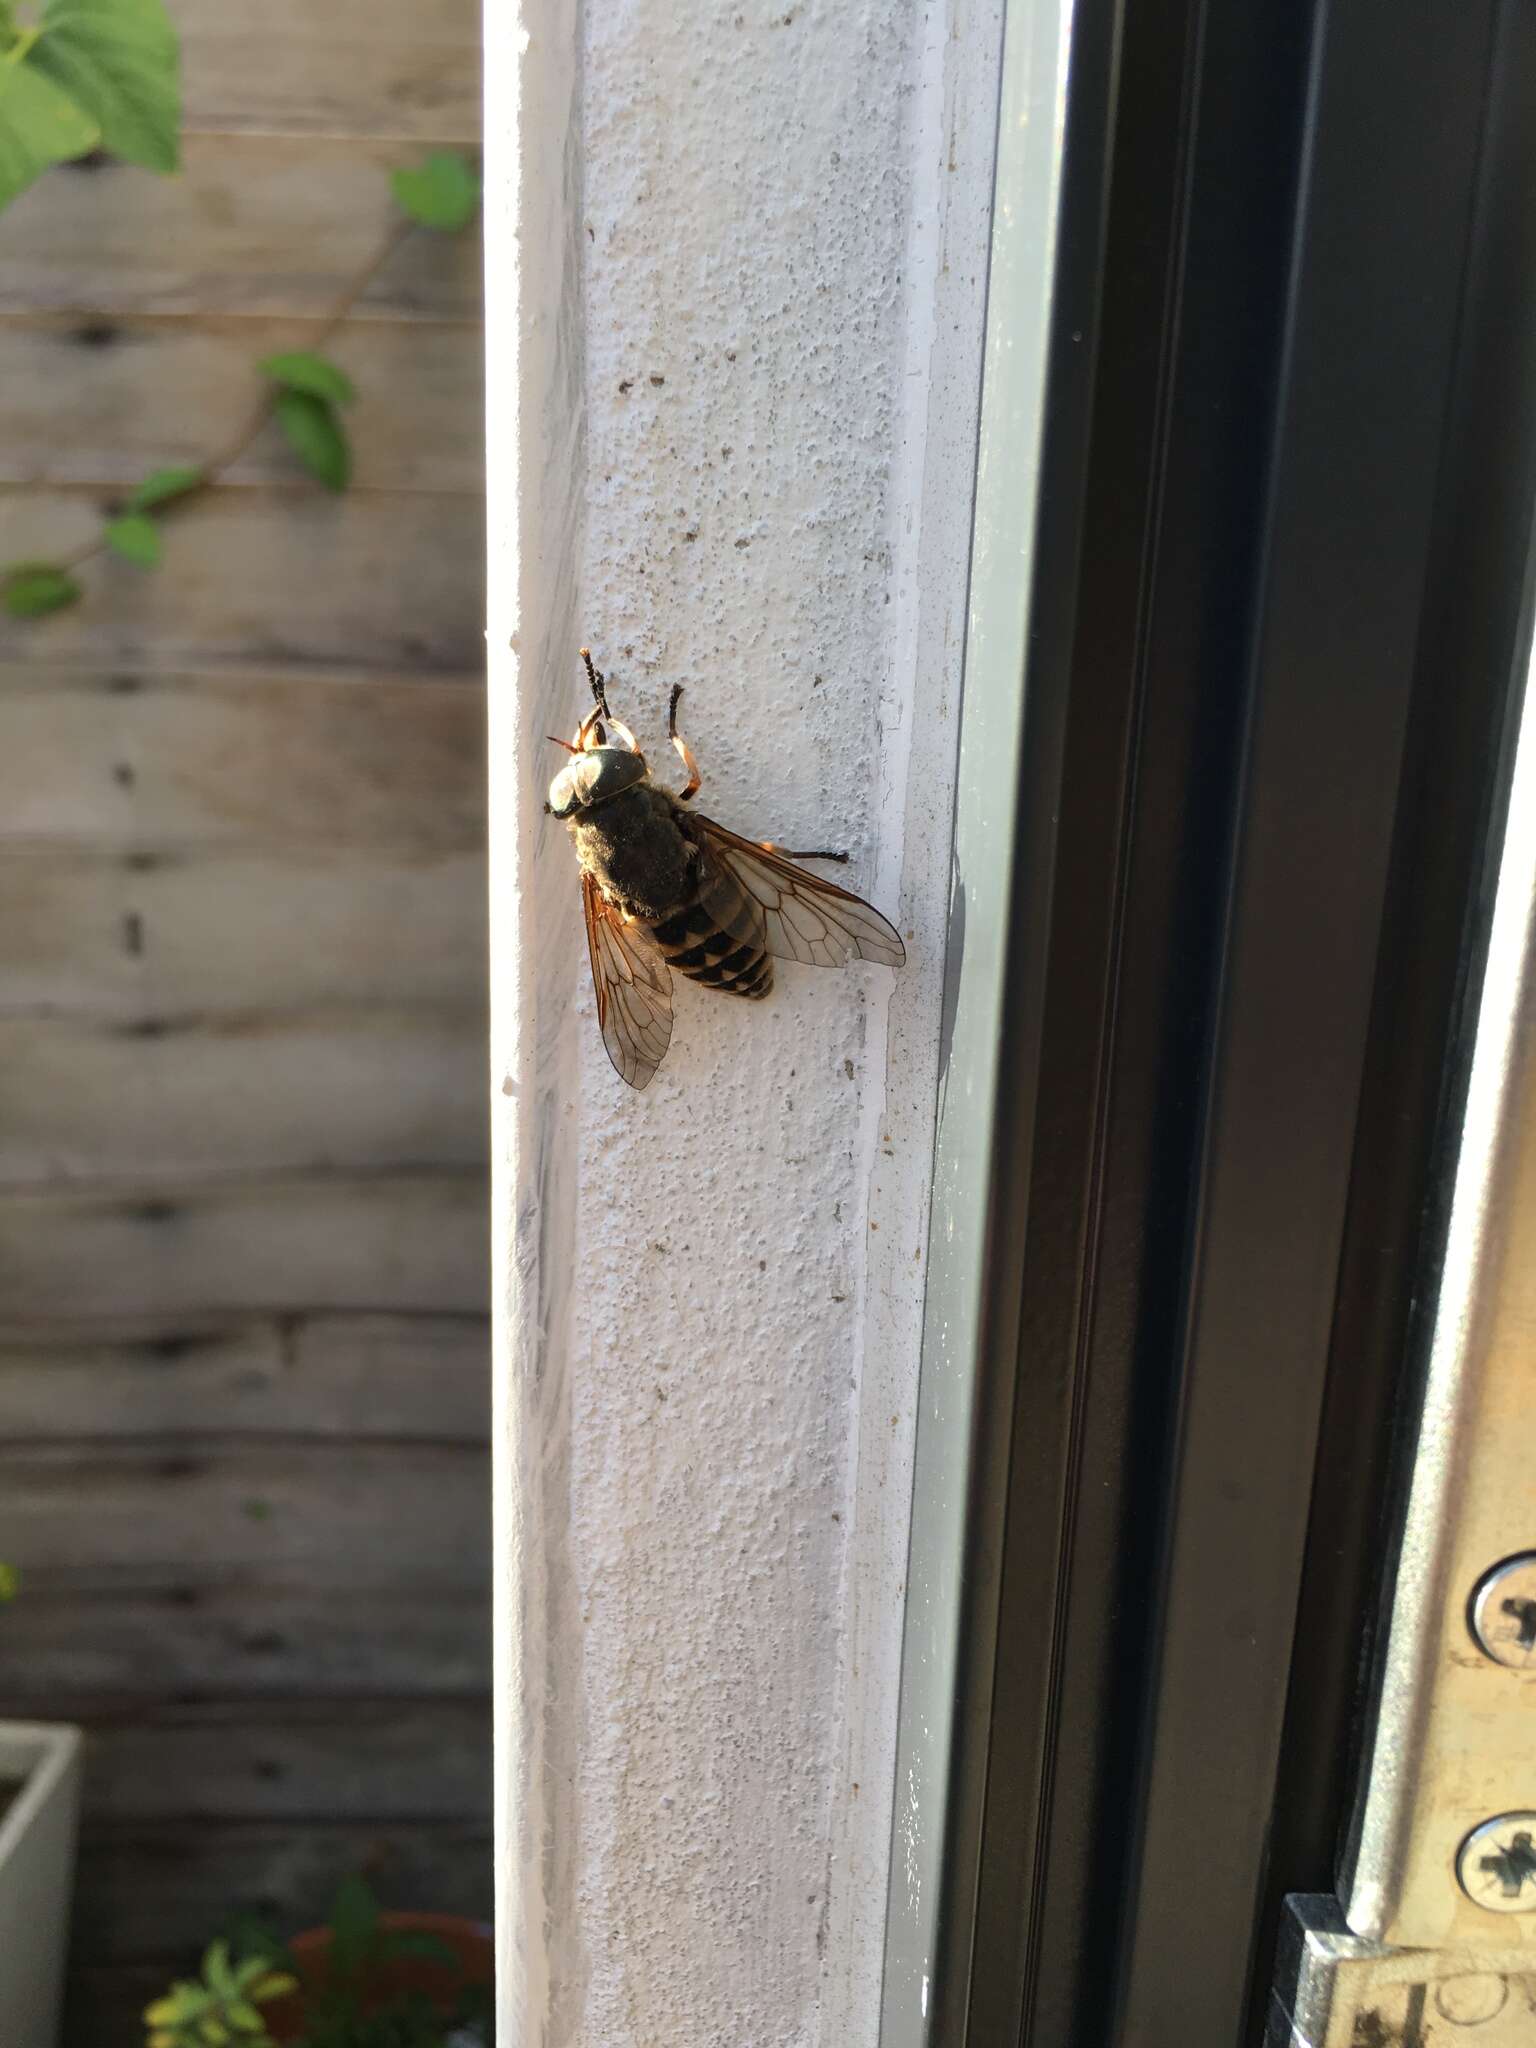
(477,1932)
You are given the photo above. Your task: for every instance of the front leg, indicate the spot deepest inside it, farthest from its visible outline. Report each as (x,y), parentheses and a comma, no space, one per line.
(691,787)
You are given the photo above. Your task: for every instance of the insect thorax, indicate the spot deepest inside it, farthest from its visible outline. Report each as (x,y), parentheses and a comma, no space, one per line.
(636,851)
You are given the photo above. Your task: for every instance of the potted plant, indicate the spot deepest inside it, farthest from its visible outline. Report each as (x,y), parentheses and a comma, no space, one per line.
(367,1979)
(39,1818)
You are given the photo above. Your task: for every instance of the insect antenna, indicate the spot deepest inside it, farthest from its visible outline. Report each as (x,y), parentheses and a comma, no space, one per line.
(554,742)
(598,681)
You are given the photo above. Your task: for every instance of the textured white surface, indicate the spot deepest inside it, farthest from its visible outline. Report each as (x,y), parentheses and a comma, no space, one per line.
(708,1400)
(37,1871)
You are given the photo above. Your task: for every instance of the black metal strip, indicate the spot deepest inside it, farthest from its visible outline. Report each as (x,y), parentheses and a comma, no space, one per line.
(1163,375)
(1395,122)
(1259,461)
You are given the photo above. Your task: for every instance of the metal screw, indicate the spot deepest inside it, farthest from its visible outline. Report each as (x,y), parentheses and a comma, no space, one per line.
(1503,1612)
(1496,1864)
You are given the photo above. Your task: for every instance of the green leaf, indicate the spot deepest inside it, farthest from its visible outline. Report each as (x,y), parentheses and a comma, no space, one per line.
(161,485)
(354,1926)
(299,370)
(316,437)
(184,2001)
(277,1985)
(32,589)
(39,125)
(135,537)
(10,1583)
(120,62)
(442,192)
(217,1972)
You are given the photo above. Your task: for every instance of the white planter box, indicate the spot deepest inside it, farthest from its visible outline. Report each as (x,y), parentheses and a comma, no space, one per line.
(37,1866)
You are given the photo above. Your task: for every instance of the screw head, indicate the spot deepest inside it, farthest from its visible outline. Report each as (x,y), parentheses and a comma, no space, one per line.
(1502,1612)
(1496,1864)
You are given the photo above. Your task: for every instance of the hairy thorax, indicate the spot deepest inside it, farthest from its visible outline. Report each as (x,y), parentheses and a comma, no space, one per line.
(637,852)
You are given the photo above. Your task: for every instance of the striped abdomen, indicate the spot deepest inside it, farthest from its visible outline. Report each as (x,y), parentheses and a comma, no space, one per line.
(717,938)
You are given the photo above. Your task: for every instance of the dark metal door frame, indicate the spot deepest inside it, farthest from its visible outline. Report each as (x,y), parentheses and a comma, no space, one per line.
(1263,706)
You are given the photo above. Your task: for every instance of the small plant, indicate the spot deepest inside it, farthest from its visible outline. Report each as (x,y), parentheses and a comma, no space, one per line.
(345,2002)
(301,389)
(80,75)
(219,2007)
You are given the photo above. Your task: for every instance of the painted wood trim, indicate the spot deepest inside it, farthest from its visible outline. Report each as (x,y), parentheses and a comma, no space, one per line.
(535,488)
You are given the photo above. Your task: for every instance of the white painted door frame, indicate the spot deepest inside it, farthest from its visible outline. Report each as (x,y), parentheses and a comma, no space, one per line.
(736,270)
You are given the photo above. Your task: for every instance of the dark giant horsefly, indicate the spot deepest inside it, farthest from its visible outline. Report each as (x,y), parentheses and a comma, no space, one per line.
(663,886)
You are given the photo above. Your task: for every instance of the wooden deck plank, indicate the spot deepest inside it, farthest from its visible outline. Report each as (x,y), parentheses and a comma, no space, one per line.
(160,1889)
(403,1241)
(259,224)
(347,1377)
(175,1637)
(172,935)
(88,400)
(262,578)
(409,1760)
(409,1517)
(349,67)
(89,1101)
(294,760)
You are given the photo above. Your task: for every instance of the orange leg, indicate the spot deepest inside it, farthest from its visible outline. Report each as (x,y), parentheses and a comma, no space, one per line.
(691,787)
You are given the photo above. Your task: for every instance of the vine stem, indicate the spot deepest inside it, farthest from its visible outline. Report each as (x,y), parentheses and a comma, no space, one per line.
(399,234)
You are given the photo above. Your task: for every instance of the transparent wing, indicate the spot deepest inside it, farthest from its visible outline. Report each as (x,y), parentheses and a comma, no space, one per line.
(805,918)
(634,990)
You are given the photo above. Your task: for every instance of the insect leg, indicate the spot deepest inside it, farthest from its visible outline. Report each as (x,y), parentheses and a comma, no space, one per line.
(682,746)
(784,853)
